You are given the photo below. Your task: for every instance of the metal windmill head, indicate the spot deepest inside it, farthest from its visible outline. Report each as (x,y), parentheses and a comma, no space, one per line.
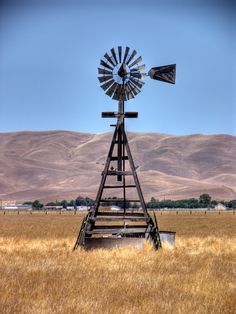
(121,75)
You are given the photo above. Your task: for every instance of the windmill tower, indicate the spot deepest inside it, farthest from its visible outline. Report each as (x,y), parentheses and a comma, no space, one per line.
(121,78)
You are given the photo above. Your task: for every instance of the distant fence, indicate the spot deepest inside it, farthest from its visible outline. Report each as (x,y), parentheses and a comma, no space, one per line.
(191,212)
(78,212)
(41,212)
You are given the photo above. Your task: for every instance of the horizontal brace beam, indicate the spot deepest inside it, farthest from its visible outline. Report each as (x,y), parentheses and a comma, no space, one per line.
(127,214)
(123,158)
(119,227)
(118,186)
(111,114)
(119,219)
(121,173)
(115,231)
(118,200)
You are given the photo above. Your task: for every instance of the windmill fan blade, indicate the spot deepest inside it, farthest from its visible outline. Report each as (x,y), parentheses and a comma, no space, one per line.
(139,59)
(127,87)
(105,78)
(109,59)
(111,89)
(107,84)
(164,73)
(103,63)
(131,56)
(137,82)
(134,89)
(128,91)
(139,68)
(134,83)
(126,54)
(114,55)
(103,71)
(123,94)
(120,53)
(130,95)
(136,74)
(117,93)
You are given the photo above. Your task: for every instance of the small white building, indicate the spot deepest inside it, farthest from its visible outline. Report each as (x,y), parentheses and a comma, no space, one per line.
(220,206)
(17,207)
(115,208)
(83,208)
(70,207)
(53,207)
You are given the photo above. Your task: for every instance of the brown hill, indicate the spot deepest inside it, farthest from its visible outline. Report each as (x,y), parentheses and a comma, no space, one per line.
(62,165)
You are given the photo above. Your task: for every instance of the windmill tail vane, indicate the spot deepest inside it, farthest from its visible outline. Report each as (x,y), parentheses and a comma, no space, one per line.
(121,78)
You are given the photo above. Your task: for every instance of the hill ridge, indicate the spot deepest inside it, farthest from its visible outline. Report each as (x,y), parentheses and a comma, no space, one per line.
(65,164)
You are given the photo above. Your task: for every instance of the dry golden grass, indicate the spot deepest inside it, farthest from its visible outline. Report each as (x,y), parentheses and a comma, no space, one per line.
(40,274)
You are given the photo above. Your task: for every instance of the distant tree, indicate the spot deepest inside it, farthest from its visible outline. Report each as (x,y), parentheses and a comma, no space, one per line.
(213,203)
(231,204)
(193,203)
(89,201)
(153,203)
(28,203)
(71,203)
(37,205)
(204,200)
(51,204)
(64,203)
(80,201)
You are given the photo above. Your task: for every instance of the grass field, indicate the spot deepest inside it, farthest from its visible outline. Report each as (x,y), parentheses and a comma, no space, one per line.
(39,273)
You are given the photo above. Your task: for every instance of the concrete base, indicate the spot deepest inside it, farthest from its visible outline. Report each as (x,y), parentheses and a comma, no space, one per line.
(108,243)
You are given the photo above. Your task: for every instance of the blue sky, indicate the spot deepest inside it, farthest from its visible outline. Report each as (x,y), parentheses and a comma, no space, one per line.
(50,51)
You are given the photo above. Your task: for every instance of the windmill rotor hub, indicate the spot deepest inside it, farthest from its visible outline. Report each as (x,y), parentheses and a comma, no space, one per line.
(122,72)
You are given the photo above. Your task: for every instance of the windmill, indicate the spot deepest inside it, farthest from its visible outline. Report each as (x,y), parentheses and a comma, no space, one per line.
(121,76)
